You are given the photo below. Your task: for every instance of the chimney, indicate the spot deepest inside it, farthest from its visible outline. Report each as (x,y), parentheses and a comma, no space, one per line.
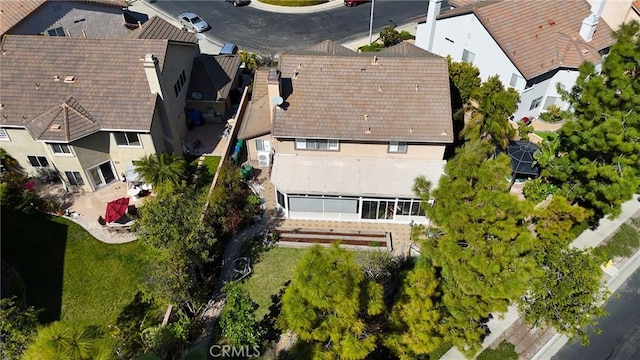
(273,90)
(432,11)
(590,23)
(150,64)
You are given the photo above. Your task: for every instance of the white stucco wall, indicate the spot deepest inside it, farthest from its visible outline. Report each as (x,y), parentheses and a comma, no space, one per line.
(545,89)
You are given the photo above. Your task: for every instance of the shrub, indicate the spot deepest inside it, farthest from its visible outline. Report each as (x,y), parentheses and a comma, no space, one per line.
(623,243)
(390,36)
(405,35)
(504,351)
(524,130)
(553,114)
(373,47)
(636,222)
(537,190)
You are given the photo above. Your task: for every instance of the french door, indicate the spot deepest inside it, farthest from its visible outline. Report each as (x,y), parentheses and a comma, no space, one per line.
(102,174)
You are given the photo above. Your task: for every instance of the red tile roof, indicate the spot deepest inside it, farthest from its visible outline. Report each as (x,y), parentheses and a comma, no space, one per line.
(537,37)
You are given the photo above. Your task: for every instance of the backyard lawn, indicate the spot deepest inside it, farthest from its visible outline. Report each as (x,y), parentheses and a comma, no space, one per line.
(66,271)
(546,135)
(275,267)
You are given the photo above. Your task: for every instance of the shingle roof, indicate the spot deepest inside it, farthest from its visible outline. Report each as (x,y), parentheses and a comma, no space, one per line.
(365,97)
(65,122)
(257,120)
(158,28)
(539,38)
(12,12)
(212,76)
(109,79)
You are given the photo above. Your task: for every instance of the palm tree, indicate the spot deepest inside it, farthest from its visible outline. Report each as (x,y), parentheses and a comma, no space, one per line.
(488,112)
(62,341)
(157,169)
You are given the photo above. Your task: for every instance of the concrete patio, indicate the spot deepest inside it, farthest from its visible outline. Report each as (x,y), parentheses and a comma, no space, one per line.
(209,135)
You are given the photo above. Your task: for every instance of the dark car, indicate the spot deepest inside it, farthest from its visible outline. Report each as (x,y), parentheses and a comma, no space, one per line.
(238,2)
(351,3)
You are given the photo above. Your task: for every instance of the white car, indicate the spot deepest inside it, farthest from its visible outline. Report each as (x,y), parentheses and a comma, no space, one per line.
(193,22)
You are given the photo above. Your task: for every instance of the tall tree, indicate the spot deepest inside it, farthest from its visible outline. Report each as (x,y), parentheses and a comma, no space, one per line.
(170,224)
(415,318)
(161,168)
(465,77)
(17,328)
(484,253)
(328,302)
(598,165)
(238,319)
(488,110)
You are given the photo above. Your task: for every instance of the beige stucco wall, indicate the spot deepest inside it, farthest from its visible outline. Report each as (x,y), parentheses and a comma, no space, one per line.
(178,58)
(124,156)
(23,145)
(617,12)
(252,152)
(353,149)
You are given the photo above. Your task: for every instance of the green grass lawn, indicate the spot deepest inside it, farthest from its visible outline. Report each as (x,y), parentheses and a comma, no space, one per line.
(546,135)
(211,163)
(269,275)
(69,273)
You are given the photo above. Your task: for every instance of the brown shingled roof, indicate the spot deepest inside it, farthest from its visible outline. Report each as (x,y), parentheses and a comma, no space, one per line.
(158,28)
(109,79)
(539,38)
(65,122)
(257,120)
(365,97)
(213,75)
(12,12)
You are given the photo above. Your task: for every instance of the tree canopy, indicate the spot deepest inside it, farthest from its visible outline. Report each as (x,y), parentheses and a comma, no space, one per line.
(17,328)
(484,254)
(238,320)
(328,302)
(598,162)
(465,77)
(161,168)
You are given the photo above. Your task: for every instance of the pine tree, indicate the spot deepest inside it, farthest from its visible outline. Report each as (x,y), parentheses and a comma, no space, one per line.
(328,302)
(598,165)
(484,256)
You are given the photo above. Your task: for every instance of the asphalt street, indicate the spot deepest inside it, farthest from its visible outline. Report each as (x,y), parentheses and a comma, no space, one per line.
(259,30)
(620,338)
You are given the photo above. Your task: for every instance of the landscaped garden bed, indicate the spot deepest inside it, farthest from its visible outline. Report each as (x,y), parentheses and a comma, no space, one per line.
(310,237)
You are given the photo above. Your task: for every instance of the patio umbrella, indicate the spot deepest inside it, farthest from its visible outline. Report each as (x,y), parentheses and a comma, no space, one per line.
(115,209)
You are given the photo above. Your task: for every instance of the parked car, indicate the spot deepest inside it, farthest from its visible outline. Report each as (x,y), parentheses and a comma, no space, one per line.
(193,22)
(238,2)
(228,49)
(351,3)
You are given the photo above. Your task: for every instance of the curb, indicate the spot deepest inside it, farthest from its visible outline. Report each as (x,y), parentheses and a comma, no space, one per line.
(329,5)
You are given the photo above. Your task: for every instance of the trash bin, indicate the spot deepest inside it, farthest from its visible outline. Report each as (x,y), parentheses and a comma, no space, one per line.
(247,172)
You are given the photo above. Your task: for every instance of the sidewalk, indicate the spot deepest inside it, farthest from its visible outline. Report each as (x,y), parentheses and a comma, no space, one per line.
(331,4)
(512,327)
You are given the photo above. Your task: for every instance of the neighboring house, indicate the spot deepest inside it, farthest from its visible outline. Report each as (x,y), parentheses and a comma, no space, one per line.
(346,134)
(531,46)
(88,108)
(80,18)
(616,12)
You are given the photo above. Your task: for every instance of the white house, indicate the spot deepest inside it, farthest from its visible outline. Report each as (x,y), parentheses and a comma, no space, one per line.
(531,46)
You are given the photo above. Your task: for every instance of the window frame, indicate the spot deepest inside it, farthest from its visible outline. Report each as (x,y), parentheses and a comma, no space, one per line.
(38,159)
(468,52)
(73,179)
(55,32)
(129,145)
(317,144)
(399,145)
(60,149)
(4,135)
(535,103)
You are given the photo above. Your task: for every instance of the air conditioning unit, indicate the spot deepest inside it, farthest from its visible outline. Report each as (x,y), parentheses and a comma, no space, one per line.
(264,158)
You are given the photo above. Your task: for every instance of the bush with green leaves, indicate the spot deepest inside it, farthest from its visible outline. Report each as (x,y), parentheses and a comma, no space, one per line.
(504,351)
(405,35)
(553,114)
(17,327)
(390,36)
(238,320)
(623,243)
(373,47)
(538,189)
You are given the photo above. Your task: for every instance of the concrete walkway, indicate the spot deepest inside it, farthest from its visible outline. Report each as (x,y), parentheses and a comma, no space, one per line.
(331,4)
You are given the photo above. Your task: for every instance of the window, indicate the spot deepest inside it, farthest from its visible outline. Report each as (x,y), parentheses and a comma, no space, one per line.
(468,56)
(74,178)
(551,100)
(408,207)
(177,87)
(4,136)
(515,81)
(263,145)
(127,139)
(313,144)
(397,147)
(535,103)
(61,149)
(280,198)
(38,161)
(59,31)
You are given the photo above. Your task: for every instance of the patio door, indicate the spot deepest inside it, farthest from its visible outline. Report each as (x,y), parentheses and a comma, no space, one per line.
(102,174)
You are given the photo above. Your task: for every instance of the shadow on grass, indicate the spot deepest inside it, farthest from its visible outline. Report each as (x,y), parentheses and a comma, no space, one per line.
(35,246)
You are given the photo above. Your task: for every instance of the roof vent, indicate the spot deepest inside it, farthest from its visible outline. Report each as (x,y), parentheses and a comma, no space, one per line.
(56,78)
(366,117)
(444,132)
(375,61)
(69,79)
(295,74)
(55,127)
(368,131)
(300,66)
(551,22)
(379,87)
(585,51)
(417,87)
